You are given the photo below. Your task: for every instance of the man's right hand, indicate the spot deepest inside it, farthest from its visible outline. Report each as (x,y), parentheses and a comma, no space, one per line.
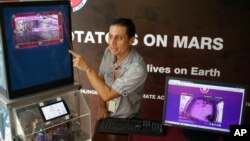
(102,113)
(78,61)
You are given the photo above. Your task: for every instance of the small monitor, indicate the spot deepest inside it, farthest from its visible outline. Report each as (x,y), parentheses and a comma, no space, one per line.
(54,110)
(203,105)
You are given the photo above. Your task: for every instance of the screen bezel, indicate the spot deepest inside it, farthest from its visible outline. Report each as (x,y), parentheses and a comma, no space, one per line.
(48,105)
(209,83)
(11,94)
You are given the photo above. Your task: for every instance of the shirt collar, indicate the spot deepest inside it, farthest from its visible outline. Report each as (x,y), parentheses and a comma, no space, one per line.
(127,60)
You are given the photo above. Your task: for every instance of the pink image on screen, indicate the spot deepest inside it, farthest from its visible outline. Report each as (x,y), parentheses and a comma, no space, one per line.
(206,109)
(202,110)
(36,29)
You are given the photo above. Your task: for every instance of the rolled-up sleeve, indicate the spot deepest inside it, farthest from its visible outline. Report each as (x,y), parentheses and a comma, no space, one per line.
(130,80)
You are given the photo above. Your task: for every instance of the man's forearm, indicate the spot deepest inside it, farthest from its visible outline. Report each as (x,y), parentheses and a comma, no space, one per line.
(104,91)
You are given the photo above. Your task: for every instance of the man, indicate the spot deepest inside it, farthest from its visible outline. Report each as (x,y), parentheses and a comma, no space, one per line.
(122,75)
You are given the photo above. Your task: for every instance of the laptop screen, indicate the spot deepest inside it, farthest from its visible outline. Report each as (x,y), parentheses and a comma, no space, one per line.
(203,105)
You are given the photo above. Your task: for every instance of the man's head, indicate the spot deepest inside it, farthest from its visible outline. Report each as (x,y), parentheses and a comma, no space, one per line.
(121,37)
(128,23)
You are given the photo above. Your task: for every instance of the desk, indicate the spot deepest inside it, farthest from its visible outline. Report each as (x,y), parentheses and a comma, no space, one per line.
(109,137)
(172,133)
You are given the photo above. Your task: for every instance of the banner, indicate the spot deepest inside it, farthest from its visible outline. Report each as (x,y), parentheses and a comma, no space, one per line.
(205,40)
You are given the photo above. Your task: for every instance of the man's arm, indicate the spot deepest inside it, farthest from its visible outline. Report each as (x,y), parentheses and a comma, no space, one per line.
(102,111)
(104,91)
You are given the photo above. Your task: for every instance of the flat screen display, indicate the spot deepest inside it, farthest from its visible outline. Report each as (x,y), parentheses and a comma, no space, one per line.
(54,110)
(2,73)
(203,105)
(36,37)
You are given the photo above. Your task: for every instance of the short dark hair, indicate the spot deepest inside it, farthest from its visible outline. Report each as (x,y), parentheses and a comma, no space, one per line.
(128,23)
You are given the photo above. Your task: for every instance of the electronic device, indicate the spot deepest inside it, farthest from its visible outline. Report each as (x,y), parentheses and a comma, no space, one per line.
(35,37)
(203,105)
(130,126)
(54,110)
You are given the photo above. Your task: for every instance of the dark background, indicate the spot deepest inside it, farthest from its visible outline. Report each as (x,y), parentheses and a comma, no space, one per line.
(225,19)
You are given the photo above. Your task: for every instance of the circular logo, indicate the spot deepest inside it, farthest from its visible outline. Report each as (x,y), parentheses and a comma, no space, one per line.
(204,89)
(77,4)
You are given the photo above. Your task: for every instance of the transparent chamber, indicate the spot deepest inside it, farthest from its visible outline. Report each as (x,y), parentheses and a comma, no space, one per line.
(23,119)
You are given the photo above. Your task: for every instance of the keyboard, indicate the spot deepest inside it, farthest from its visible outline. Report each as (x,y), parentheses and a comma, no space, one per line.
(130,126)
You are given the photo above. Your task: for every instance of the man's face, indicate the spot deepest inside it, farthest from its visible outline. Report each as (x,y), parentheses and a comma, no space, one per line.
(119,42)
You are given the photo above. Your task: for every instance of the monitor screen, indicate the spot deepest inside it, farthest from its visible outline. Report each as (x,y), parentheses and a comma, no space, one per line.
(36,37)
(54,110)
(203,105)
(2,73)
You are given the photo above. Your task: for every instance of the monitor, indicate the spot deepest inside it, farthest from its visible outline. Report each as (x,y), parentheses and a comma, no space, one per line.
(35,38)
(203,105)
(54,110)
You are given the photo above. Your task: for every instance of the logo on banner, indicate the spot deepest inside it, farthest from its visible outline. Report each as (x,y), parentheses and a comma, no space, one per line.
(77,4)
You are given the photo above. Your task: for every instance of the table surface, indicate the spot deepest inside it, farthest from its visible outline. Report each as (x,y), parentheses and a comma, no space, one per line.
(172,133)
(109,137)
